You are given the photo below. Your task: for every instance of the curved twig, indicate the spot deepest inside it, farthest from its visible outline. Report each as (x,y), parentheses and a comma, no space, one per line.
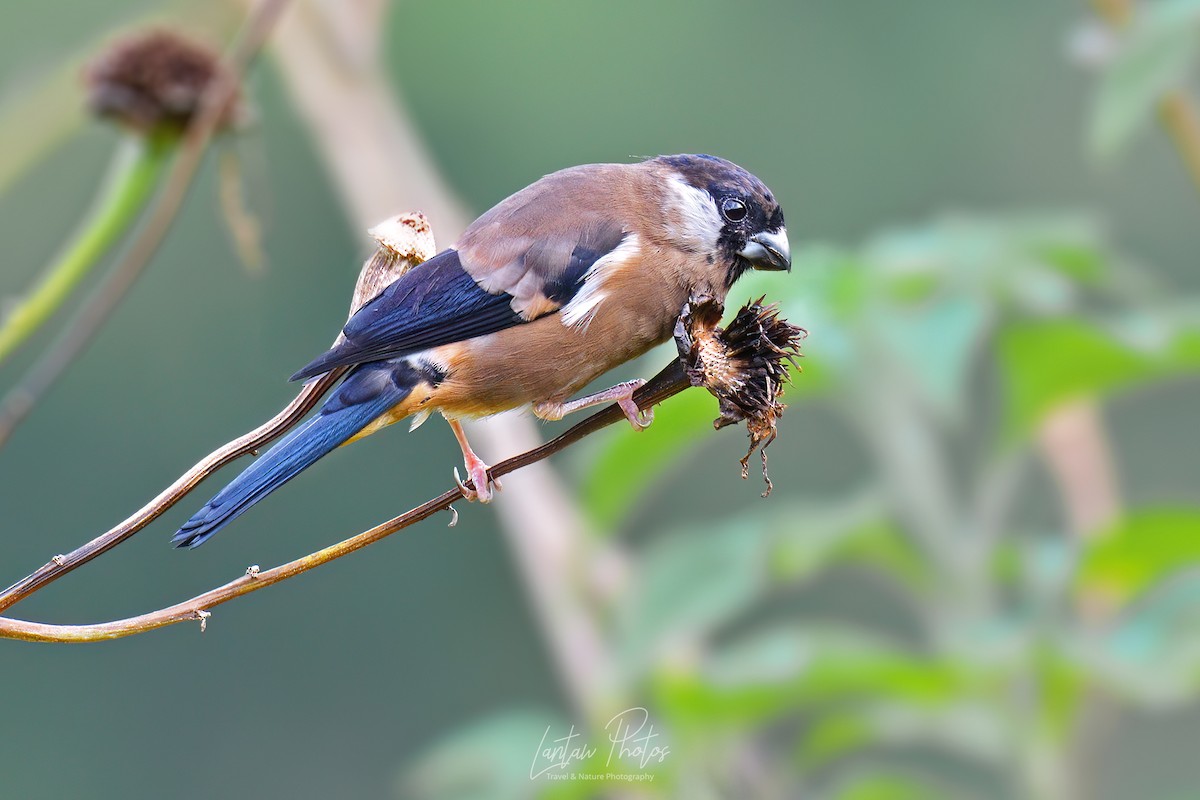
(669,382)
(62,564)
(404,241)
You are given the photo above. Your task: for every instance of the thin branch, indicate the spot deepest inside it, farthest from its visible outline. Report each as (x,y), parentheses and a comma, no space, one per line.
(1117,13)
(100,305)
(669,382)
(992,502)
(741,365)
(404,241)
(1179,116)
(1075,445)
(62,564)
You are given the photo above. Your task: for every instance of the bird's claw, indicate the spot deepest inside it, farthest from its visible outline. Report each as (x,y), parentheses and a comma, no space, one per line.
(469,494)
(481,486)
(639,418)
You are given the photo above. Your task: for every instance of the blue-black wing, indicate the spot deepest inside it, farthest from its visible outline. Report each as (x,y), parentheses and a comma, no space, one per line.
(439,301)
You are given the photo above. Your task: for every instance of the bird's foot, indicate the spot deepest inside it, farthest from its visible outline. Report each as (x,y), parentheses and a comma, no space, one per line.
(477,471)
(481,486)
(640,419)
(622,393)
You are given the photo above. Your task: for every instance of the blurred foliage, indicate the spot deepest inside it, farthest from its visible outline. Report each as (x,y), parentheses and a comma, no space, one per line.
(942,347)
(973,329)
(1154,57)
(1009,641)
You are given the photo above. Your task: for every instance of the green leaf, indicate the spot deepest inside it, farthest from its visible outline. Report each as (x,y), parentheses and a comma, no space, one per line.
(1139,552)
(1081,261)
(968,730)
(690,582)
(889,785)
(814,537)
(1163,631)
(935,341)
(488,760)
(1060,686)
(630,462)
(1149,655)
(1047,364)
(695,580)
(772,655)
(1154,58)
(826,670)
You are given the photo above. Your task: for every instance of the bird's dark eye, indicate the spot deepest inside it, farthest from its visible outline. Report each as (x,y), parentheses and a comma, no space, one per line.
(733,209)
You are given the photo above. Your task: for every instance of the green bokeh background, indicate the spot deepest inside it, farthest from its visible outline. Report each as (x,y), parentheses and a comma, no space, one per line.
(860,115)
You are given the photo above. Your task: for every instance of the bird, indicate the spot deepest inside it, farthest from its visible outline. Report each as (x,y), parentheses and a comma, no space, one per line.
(570,277)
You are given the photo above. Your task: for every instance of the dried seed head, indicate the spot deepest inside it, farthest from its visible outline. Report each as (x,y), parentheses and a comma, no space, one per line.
(741,365)
(154,82)
(406,235)
(404,241)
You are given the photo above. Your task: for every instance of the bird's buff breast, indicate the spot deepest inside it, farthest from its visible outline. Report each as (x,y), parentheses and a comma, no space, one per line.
(542,360)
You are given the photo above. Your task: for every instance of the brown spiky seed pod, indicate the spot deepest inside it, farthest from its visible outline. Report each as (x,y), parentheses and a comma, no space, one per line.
(742,365)
(154,81)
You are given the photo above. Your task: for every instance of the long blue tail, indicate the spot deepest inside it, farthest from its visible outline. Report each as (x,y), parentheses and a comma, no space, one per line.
(368,392)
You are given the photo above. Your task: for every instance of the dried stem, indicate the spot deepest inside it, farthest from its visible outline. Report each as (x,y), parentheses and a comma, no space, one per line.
(1076,448)
(265,433)
(96,310)
(742,365)
(669,382)
(404,241)
(1179,116)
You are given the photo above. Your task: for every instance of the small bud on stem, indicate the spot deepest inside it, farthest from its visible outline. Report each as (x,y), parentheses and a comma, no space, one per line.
(153,83)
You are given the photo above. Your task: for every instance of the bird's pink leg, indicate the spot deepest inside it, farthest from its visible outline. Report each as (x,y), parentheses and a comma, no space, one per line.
(476,469)
(622,393)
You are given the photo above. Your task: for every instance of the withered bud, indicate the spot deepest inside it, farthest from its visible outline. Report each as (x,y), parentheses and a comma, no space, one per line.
(403,242)
(153,82)
(741,365)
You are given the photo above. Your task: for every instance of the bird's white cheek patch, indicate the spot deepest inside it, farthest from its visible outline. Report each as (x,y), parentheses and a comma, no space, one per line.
(692,218)
(587,300)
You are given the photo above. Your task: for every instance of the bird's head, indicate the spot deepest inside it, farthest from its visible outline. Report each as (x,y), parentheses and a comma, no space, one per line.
(715,207)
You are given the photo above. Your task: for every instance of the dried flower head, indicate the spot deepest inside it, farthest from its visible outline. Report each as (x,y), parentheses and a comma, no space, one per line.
(154,82)
(404,241)
(741,365)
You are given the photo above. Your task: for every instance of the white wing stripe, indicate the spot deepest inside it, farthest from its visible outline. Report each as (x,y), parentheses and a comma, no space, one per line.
(583,305)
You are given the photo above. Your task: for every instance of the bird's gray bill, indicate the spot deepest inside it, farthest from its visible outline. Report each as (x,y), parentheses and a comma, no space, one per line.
(768,251)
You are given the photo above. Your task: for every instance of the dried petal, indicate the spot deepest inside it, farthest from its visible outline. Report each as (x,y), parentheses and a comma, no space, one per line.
(741,365)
